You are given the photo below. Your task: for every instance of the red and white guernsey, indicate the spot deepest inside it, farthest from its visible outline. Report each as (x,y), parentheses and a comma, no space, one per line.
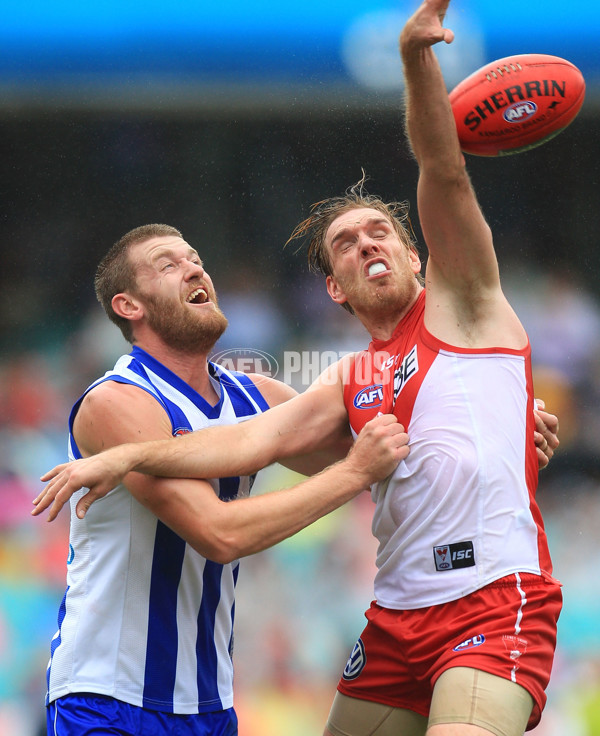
(460,511)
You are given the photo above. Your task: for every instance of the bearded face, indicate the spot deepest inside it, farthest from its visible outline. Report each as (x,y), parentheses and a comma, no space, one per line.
(174,295)
(185,328)
(372,270)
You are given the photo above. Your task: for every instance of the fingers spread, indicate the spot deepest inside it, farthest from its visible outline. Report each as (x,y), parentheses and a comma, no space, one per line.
(49,474)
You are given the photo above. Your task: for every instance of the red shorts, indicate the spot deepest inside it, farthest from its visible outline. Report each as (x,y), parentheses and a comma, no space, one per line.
(507,629)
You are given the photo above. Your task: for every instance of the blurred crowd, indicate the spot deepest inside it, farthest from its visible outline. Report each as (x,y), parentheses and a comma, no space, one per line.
(300,605)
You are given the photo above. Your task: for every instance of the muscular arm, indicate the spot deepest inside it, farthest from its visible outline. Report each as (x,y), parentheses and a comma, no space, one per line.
(306,424)
(115,413)
(333,447)
(465,304)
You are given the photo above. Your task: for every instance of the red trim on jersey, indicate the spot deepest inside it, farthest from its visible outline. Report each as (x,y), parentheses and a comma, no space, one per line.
(531,477)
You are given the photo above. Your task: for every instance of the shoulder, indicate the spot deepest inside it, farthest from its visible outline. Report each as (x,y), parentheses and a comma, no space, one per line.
(112,395)
(112,413)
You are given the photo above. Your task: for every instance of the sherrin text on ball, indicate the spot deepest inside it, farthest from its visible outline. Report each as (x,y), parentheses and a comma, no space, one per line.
(516,103)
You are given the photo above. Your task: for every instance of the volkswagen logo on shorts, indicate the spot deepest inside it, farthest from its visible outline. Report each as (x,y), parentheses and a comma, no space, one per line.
(356,662)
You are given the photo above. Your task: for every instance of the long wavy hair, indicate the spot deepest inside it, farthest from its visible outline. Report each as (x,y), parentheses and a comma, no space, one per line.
(314,228)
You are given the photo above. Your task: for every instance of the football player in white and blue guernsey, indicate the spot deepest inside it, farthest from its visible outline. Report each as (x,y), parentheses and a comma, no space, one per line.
(145,628)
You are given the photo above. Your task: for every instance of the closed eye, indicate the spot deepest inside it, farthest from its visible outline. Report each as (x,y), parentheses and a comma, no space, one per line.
(380,233)
(344,245)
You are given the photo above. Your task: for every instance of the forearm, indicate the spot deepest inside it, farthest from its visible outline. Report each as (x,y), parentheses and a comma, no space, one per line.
(225,531)
(313,421)
(381,444)
(246,526)
(429,121)
(208,453)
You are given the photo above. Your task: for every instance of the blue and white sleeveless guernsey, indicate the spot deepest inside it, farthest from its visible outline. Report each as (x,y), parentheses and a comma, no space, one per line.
(145,618)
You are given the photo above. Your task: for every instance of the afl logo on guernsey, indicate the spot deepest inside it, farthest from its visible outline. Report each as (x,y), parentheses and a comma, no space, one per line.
(370,397)
(356,662)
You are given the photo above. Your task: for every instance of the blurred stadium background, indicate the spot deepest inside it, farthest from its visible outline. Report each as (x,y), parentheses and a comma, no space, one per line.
(228,120)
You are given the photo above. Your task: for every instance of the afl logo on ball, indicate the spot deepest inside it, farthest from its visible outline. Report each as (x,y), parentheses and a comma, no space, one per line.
(520,111)
(356,662)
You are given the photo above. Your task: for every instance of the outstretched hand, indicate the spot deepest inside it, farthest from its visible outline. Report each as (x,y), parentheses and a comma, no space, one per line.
(425,27)
(100,473)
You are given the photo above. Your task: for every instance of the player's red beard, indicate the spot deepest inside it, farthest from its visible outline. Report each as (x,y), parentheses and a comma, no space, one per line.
(181,328)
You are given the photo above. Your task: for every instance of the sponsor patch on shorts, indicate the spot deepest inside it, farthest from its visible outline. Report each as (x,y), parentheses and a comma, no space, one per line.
(453,556)
(356,662)
(474,641)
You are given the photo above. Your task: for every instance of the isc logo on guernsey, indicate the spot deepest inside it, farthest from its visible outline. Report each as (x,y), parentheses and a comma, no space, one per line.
(370,397)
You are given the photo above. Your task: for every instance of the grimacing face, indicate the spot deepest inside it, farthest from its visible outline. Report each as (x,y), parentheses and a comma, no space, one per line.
(372,268)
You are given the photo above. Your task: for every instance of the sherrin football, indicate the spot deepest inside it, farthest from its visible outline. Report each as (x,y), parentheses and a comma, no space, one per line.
(516,103)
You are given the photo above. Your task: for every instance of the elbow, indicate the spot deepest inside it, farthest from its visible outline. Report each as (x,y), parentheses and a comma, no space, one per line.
(219,556)
(221,548)
(223,555)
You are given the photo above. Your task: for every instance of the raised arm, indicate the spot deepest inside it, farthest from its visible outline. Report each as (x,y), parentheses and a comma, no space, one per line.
(465,303)
(452,222)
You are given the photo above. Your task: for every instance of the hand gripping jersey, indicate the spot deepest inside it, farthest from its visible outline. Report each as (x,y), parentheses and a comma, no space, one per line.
(145,619)
(460,511)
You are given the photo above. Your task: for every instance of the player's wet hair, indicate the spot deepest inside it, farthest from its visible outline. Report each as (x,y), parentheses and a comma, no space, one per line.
(322,214)
(116,272)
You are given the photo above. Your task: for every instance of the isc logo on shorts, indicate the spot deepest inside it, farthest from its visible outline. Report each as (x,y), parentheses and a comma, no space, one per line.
(356,662)
(453,556)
